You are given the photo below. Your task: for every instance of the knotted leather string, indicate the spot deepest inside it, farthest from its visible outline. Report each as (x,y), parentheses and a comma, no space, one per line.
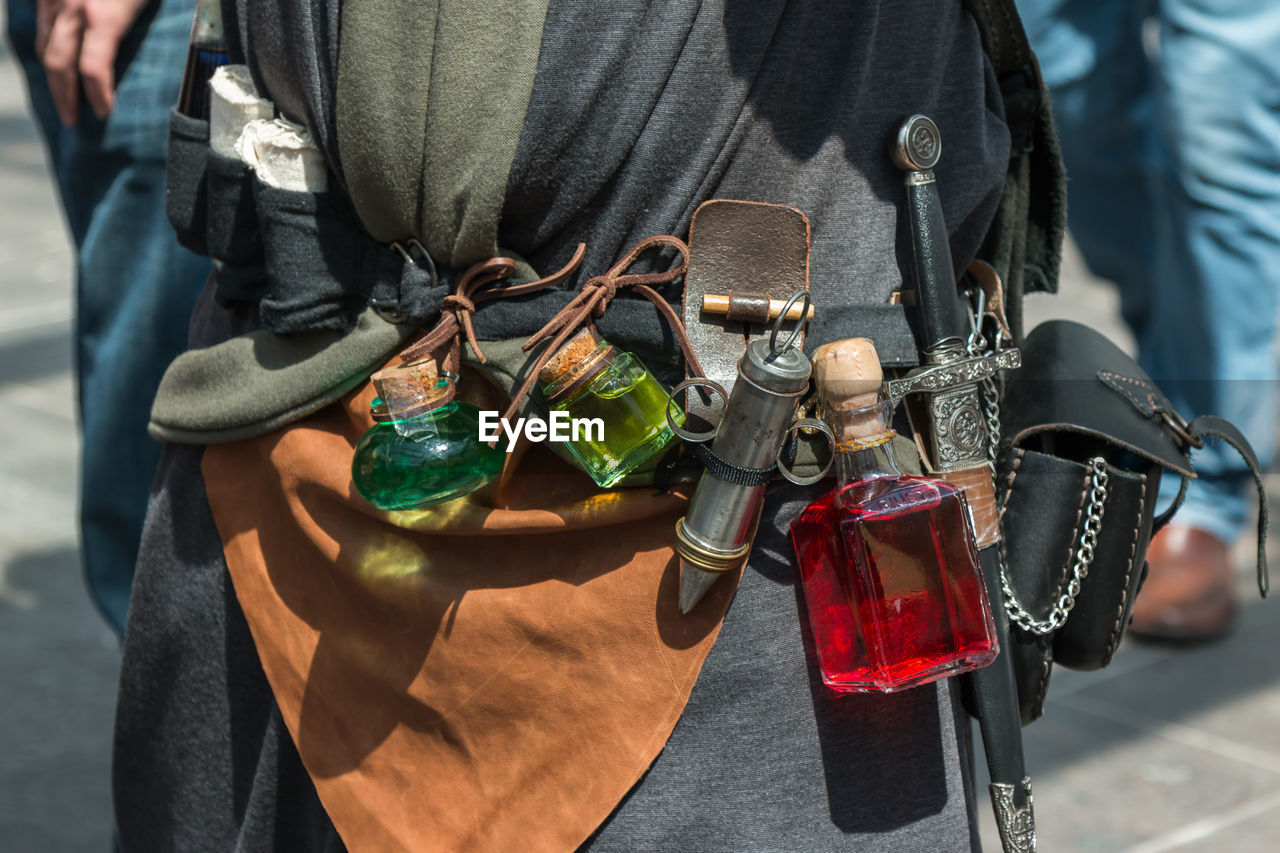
(594,298)
(473,288)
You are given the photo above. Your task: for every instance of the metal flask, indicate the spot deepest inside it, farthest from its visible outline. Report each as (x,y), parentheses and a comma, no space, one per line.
(716,534)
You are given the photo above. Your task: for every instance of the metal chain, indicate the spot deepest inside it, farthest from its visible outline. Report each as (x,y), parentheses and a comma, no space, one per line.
(1080,568)
(991,408)
(1066,598)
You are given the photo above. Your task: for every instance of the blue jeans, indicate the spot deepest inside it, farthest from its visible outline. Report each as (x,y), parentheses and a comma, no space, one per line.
(135,286)
(1173,165)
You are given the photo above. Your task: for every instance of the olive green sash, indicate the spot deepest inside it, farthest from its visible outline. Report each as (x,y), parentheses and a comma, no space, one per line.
(427,137)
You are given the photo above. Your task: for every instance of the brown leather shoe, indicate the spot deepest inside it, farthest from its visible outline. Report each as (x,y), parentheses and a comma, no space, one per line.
(1189,593)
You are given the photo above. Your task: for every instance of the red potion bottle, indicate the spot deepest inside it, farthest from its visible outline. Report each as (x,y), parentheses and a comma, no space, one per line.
(887,560)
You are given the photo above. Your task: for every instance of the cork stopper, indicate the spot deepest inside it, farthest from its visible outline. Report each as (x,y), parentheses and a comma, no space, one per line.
(410,389)
(848,377)
(576,362)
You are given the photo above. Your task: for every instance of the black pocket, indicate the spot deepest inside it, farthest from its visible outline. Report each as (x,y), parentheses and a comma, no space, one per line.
(233,236)
(186,183)
(313,256)
(1090,637)
(1046,516)
(1043,496)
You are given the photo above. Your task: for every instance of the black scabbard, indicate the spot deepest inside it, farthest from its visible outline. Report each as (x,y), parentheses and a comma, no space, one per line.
(994,700)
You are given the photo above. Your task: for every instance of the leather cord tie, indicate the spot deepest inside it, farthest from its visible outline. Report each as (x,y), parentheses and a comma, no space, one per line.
(475,287)
(594,298)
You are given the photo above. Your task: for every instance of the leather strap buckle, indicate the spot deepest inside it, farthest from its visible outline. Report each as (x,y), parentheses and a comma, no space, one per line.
(1180,426)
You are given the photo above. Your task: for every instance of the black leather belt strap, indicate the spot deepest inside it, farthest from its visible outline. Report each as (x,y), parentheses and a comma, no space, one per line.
(1215,427)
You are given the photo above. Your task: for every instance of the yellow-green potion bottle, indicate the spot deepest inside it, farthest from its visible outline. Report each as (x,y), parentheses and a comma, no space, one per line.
(616,409)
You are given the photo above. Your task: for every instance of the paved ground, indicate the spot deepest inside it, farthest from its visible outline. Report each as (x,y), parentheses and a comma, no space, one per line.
(59,669)
(57,659)
(1168,749)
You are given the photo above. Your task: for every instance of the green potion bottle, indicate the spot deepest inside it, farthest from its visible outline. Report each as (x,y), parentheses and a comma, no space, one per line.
(616,410)
(425,447)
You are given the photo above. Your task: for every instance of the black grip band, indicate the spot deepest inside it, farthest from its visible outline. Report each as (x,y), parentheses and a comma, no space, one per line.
(730,473)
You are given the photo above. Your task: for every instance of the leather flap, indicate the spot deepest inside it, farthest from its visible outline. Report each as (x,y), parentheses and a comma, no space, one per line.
(1042,500)
(1075,381)
(747,247)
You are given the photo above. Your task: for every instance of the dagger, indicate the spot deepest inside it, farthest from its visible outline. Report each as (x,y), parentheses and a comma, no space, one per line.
(947,389)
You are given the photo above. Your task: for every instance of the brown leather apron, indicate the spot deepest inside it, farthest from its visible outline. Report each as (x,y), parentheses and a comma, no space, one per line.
(491,673)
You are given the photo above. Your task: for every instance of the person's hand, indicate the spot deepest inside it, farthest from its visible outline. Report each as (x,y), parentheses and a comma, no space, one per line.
(77,41)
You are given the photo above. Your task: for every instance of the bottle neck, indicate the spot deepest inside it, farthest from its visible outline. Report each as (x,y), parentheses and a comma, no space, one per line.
(423,423)
(864,441)
(869,459)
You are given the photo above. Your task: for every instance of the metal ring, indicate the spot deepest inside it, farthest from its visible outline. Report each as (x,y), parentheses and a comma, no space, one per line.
(695,382)
(782,316)
(420,251)
(702,557)
(822,427)
(391,315)
(431,262)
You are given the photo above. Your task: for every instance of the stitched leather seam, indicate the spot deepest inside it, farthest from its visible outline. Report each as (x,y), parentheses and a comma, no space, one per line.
(1151,397)
(1128,573)
(1042,690)
(1075,531)
(1008,486)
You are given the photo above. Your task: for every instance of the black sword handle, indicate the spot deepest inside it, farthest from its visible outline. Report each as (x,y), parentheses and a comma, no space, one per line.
(916,151)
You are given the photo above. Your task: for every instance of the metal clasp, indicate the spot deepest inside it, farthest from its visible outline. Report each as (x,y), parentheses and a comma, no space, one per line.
(1180,427)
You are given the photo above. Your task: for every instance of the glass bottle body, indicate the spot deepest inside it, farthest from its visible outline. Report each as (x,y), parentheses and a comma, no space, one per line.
(424,460)
(620,419)
(891,579)
(206,53)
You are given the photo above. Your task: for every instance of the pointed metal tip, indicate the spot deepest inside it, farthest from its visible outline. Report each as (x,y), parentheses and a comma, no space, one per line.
(694,583)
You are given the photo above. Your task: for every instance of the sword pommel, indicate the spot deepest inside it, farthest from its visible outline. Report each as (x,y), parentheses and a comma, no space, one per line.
(918,146)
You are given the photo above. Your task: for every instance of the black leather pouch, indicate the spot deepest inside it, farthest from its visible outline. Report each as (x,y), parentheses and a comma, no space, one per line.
(186,180)
(1088,437)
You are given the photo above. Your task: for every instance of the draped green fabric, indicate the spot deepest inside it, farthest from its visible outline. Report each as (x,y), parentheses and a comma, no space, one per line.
(427,138)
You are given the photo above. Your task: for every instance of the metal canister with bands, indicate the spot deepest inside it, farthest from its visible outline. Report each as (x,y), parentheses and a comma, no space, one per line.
(741,455)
